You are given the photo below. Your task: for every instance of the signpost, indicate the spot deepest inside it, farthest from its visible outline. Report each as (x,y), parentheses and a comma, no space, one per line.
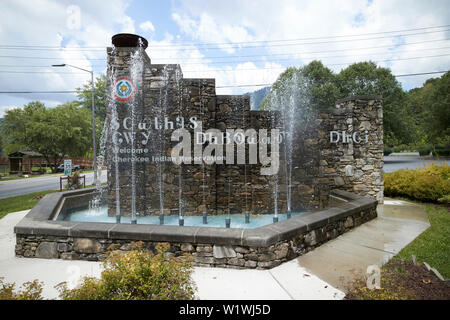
(68,167)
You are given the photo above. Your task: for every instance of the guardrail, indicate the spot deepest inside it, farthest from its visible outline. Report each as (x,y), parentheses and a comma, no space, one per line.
(68,178)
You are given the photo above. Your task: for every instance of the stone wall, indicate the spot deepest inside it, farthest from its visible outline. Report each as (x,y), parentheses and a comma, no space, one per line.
(167,96)
(354,163)
(355,166)
(319,164)
(301,236)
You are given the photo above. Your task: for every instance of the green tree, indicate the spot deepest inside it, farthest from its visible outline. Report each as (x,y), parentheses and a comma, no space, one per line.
(435,101)
(317,81)
(84,95)
(54,132)
(322,88)
(429,107)
(13,127)
(1,145)
(365,78)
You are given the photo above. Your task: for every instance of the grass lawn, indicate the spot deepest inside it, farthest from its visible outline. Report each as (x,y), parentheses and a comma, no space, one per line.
(47,174)
(20,203)
(16,177)
(27,201)
(433,245)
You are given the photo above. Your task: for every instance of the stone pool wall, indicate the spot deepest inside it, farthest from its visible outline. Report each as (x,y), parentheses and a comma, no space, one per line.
(261,248)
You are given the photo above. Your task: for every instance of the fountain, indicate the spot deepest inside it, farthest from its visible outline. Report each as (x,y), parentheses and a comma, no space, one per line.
(188,166)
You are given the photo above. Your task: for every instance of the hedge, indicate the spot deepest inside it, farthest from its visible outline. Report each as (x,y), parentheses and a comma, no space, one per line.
(427,184)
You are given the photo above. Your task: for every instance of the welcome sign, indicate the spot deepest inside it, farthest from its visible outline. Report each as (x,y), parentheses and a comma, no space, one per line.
(181,138)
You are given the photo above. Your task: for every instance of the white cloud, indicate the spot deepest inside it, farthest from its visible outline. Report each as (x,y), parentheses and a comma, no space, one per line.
(238,21)
(45,23)
(127,25)
(147,26)
(4,109)
(206,29)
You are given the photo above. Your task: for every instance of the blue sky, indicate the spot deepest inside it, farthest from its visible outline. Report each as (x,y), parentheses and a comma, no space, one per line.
(237,42)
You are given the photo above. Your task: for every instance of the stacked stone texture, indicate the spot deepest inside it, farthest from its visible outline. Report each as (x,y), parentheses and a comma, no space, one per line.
(203,254)
(318,164)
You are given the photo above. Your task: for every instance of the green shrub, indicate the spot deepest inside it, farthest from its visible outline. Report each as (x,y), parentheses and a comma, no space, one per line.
(441,151)
(437,150)
(31,291)
(138,274)
(401,148)
(387,150)
(74,181)
(425,150)
(427,184)
(444,199)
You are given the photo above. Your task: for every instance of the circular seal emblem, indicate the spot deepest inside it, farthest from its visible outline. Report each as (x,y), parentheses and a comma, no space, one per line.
(123,89)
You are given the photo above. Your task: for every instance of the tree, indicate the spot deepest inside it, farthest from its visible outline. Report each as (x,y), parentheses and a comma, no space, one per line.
(317,81)
(322,88)
(100,102)
(54,132)
(429,106)
(100,97)
(365,78)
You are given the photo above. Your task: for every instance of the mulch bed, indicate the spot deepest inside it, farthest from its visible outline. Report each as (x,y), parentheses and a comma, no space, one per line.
(402,280)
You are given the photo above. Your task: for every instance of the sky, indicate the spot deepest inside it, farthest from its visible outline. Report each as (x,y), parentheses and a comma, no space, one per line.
(243,44)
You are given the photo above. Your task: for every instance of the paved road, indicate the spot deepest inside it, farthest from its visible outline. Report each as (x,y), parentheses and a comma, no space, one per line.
(393,163)
(19,187)
(23,186)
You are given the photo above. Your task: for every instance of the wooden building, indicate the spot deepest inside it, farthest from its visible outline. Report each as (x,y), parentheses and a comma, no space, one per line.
(23,161)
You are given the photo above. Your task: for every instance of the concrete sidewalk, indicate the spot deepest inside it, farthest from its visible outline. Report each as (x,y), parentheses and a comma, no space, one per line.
(339,261)
(320,274)
(50,272)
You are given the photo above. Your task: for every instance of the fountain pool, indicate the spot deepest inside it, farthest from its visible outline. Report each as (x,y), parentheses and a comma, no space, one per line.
(237,220)
(234,211)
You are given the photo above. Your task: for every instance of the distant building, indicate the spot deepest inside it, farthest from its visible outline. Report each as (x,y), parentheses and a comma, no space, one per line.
(22,161)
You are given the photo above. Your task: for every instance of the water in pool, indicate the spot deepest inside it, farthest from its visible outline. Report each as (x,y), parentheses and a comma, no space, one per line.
(237,220)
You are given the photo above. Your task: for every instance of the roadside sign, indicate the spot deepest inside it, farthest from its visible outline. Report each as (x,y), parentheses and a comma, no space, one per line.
(68,167)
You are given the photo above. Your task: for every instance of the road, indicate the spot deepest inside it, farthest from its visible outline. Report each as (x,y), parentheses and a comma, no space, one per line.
(394,163)
(19,187)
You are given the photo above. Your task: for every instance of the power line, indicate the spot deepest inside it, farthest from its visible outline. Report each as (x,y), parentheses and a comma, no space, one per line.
(52,58)
(319,38)
(269,84)
(75,73)
(239,45)
(314,52)
(315,58)
(266,60)
(279,68)
(236,70)
(219,87)
(227,43)
(326,65)
(418,74)
(61,91)
(242,56)
(233,45)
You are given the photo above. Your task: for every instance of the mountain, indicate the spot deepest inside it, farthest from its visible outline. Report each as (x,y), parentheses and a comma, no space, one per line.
(256,97)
